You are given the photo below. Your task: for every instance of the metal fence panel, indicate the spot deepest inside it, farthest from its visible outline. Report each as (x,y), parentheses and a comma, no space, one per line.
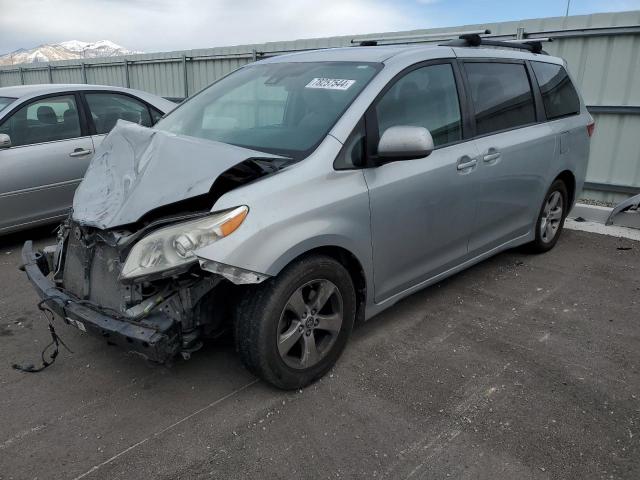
(8,78)
(66,75)
(35,76)
(615,154)
(106,75)
(163,79)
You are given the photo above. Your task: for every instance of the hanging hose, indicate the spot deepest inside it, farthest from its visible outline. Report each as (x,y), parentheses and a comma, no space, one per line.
(56,341)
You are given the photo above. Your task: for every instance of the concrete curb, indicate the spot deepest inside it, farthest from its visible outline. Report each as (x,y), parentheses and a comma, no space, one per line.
(600,228)
(597,214)
(626,225)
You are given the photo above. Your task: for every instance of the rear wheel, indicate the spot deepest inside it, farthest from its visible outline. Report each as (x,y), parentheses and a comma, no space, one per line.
(551,218)
(291,329)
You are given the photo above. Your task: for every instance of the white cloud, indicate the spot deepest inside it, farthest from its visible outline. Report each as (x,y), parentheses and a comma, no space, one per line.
(173,24)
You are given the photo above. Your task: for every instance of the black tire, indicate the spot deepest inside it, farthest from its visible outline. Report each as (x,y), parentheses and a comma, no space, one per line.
(262,311)
(541,243)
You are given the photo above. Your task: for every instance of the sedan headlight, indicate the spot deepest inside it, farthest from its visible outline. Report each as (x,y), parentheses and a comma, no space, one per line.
(174,246)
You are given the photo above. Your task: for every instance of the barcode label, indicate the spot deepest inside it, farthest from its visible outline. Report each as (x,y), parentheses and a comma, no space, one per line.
(330,83)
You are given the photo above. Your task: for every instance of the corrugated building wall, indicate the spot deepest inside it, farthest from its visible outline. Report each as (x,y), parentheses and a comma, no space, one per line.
(602,52)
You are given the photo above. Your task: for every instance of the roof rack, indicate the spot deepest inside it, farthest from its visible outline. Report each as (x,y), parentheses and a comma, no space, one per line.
(469,38)
(423,37)
(533,45)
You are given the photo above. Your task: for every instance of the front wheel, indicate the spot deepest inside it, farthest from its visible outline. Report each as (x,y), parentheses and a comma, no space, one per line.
(551,218)
(291,329)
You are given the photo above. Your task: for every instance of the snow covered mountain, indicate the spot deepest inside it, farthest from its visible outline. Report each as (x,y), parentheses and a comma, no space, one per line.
(65,51)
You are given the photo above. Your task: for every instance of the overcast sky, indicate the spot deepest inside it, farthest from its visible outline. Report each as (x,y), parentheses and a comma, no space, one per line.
(162,25)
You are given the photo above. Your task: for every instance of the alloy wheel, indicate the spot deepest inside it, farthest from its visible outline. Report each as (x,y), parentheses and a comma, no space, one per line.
(309,324)
(551,217)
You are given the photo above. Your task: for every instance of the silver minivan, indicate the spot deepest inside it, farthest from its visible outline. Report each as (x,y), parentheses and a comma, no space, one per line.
(305,192)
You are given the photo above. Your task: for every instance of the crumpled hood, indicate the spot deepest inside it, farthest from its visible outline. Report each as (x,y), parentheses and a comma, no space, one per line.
(138,169)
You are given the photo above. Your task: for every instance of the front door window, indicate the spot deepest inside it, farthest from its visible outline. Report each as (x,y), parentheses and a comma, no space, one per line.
(44,120)
(425,97)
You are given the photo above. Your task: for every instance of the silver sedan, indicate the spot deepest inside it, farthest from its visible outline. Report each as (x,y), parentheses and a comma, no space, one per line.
(48,134)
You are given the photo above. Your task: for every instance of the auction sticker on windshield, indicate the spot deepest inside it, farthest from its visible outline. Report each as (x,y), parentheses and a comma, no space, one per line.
(330,83)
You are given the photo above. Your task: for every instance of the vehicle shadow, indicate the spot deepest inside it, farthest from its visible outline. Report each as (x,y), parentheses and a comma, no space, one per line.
(17,239)
(448,287)
(396,314)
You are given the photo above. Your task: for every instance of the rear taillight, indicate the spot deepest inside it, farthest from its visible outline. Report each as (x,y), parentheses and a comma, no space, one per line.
(591,128)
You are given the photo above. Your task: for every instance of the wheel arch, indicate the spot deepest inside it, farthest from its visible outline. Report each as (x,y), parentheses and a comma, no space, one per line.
(348,260)
(569,180)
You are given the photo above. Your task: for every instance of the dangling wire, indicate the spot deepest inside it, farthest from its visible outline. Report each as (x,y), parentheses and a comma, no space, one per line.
(56,341)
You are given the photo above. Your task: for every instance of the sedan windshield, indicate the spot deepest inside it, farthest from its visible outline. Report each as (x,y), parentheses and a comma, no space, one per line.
(281,108)
(4,101)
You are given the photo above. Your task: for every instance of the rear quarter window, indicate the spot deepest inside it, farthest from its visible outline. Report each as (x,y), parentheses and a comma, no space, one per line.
(501,94)
(559,96)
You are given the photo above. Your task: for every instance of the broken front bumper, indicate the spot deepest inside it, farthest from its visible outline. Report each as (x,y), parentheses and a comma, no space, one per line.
(155,337)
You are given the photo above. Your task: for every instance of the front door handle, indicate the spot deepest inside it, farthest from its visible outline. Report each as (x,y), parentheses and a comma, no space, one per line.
(80,152)
(466,162)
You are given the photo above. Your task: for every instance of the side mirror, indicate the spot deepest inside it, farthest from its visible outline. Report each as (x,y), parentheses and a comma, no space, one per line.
(5,140)
(404,142)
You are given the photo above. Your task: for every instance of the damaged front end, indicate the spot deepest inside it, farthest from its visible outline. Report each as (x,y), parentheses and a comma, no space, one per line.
(156,317)
(125,266)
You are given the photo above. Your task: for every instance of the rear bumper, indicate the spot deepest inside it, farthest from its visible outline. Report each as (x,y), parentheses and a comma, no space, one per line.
(155,337)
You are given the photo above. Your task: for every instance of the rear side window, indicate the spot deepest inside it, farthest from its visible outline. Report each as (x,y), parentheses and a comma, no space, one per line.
(425,97)
(558,93)
(501,95)
(107,108)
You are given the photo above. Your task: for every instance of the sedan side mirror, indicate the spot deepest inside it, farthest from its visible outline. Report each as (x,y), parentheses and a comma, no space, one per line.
(5,140)
(404,142)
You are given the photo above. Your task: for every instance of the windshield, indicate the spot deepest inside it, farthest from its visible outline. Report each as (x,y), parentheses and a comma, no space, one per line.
(281,108)
(4,101)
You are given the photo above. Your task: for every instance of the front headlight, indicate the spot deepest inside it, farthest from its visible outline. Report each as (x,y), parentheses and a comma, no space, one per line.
(173,246)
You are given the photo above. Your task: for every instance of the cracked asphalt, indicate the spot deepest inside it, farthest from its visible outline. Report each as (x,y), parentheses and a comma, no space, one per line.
(523,367)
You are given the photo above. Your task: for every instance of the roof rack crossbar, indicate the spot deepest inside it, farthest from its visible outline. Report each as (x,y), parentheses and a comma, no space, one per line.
(475,40)
(422,37)
(531,40)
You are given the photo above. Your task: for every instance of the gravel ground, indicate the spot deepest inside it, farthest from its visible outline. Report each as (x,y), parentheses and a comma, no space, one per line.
(598,203)
(522,367)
